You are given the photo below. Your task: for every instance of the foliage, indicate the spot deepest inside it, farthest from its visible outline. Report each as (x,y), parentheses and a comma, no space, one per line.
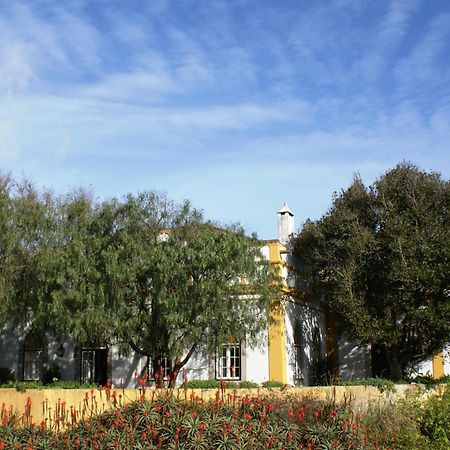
(225,422)
(382,384)
(324,371)
(434,419)
(247,385)
(379,259)
(202,384)
(146,273)
(22,386)
(214,384)
(272,384)
(26,238)
(430,381)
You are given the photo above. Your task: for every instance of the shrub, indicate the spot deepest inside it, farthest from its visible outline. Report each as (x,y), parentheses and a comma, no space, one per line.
(434,419)
(382,384)
(429,381)
(202,384)
(214,384)
(248,385)
(272,384)
(22,386)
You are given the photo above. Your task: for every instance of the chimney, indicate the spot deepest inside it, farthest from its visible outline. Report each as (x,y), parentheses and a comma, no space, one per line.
(285,224)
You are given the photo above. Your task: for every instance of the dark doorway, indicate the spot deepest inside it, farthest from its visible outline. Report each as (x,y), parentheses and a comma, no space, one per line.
(94,365)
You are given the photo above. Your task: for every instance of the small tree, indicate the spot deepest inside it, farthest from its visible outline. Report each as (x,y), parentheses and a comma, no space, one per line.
(380,258)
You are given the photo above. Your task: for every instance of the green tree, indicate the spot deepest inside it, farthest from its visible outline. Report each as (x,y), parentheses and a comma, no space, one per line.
(188,285)
(26,223)
(153,276)
(380,258)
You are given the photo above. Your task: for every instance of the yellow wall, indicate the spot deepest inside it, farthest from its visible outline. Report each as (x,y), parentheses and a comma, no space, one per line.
(277,327)
(438,365)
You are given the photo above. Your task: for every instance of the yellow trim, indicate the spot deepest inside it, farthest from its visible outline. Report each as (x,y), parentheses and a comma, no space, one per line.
(438,365)
(277,326)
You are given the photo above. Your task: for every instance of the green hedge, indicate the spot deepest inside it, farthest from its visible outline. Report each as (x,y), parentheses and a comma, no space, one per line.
(214,384)
(24,385)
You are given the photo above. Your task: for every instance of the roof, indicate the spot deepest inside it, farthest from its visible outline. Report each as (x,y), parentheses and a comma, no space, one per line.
(285,209)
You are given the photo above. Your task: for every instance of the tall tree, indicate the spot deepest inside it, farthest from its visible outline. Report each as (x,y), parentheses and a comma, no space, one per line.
(26,224)
(187,284)
(153,276)
(380,258)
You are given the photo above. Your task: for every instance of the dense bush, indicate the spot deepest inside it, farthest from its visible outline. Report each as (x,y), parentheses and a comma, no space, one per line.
(434,419)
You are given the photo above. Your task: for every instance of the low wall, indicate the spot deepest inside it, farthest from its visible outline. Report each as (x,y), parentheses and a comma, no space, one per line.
(58,408)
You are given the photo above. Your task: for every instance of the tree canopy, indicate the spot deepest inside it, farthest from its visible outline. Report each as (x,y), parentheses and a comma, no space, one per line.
(380,258)
(145,272)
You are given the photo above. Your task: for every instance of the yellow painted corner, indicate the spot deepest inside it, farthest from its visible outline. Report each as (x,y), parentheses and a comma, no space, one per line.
(438,365)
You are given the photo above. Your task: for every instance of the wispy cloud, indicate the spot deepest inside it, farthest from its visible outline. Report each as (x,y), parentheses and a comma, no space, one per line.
(423,63)
(252,100)
(15,68)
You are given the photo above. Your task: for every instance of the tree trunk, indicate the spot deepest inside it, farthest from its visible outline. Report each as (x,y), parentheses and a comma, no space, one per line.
(158,371)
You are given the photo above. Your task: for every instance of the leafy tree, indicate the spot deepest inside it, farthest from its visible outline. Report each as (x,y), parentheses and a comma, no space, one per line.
(181,284)
(153,276)
(25,235)
(380,258)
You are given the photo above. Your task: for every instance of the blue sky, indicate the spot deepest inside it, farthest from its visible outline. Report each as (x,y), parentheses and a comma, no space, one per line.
(236,105)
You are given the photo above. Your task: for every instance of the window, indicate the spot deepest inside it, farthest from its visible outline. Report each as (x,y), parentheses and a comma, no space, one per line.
(94,365)
(229,362)
(32,357)
(298,350)
(166,366)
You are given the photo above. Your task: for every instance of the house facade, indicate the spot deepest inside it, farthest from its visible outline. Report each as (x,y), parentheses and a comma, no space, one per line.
(300,346)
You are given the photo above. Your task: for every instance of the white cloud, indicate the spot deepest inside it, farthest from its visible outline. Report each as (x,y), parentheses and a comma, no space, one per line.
(8,149)
(139,86)
(387,38)
(422,63)
(15,67)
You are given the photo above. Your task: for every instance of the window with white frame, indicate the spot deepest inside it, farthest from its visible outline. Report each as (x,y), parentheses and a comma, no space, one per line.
(229,362)
(94,364)
(166,364)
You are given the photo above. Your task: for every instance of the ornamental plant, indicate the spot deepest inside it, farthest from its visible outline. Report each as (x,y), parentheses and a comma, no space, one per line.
(181,419)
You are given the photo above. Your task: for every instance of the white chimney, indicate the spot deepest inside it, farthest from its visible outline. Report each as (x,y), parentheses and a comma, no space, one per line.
(285,224)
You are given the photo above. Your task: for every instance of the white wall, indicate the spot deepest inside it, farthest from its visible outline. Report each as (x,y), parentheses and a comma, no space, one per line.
(310,316)
(256,362)
(354,361)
